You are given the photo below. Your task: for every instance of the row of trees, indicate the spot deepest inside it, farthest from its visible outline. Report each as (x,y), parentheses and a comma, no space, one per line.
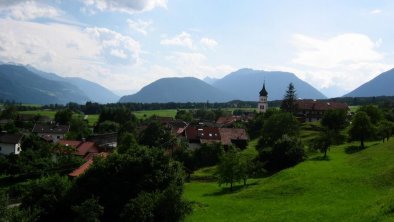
(141,184)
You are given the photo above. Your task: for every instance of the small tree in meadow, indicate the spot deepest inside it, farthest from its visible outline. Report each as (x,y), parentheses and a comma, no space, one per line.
(229,168)
(361,128)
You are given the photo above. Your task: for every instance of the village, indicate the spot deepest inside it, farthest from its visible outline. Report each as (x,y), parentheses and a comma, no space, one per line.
(227,130)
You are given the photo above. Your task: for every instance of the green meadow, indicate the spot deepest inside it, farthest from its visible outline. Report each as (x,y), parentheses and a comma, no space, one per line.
(148,113)
(348,186)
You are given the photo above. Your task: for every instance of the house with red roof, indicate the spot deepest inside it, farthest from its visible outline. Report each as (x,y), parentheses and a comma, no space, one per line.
(312,110)
(197,135)
(82,148)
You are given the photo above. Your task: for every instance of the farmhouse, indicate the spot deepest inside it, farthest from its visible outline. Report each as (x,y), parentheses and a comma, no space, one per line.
(312,110)
(10,143)
(196,136)
(51,133)
(82,148)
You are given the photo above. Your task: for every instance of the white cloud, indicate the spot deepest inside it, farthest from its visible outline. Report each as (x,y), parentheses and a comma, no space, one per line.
(115,43)
(376,11)
(196,64)
(344,61)
(341,49)
(97,54)
(209,43)
(183,39)
(28,10)
(127,6)
(139,25)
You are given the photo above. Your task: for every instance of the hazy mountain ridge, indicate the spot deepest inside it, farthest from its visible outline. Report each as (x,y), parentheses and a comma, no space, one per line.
(187,89)
(19,84)
(94,91)
(243,84)
(246,83)
(381,85)
(28,85)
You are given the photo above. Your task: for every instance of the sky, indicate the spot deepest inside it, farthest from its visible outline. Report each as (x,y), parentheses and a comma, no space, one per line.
(334,45)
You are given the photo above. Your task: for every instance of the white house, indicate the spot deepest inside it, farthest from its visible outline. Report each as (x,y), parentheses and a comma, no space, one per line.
(52,133)
(10,143)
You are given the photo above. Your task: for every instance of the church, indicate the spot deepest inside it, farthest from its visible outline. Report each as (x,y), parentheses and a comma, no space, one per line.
(263,102)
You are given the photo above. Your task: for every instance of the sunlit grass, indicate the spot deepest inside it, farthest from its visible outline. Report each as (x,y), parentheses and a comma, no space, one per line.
(344,187)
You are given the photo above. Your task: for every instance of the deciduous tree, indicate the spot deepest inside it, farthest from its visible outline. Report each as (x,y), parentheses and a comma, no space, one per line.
(361,128)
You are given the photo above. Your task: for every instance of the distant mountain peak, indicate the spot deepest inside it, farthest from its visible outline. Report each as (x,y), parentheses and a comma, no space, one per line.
(381,85)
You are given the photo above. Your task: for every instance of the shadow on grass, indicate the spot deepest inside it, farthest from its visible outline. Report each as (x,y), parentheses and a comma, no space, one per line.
(227,190)
(320,158)
(353,149)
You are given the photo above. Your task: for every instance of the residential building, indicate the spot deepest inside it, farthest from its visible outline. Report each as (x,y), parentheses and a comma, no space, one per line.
(52,133)
(312,110)
(10,143)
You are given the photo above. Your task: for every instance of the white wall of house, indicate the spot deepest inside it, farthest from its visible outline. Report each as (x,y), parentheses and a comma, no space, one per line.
(7,149)
(55,137)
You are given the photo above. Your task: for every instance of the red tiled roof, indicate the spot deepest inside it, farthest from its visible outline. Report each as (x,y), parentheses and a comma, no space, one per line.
(227,119)
(80,170)
(228,134)
(82,148)
(206,133)
(90,157)
(319,105)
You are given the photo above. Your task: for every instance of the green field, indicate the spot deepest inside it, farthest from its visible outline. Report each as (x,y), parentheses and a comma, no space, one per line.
(148,113)
(49,113)
(347,187)
(92,119)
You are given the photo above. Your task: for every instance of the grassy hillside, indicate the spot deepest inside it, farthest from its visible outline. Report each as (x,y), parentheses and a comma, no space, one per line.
(347,187)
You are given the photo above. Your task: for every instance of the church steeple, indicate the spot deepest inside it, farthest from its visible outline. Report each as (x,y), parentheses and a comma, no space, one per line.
(263,92)
(263,101)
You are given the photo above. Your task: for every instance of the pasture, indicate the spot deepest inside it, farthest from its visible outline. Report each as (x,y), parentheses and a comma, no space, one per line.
(344,187)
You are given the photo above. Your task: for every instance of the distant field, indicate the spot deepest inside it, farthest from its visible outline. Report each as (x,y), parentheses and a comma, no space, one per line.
(354,108)
(347,187)
(148,113)
(49,113)
(92,119)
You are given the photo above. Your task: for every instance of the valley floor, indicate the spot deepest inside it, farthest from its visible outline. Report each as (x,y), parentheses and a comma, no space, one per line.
(346,187)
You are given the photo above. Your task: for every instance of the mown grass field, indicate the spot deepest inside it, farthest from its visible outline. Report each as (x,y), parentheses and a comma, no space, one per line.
(148,113)
(92,119)
(346,187)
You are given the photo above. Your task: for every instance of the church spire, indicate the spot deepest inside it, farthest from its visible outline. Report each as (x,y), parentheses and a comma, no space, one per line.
(263,92)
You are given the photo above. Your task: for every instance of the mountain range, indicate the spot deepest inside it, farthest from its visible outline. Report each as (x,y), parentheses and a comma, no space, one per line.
(381,85)
(28,85)
(187,89)
(243,84)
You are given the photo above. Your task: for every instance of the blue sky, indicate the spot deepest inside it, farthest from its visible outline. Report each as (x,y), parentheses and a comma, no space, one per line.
(123,45)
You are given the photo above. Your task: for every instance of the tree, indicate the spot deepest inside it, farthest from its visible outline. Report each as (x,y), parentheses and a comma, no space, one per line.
(385,130)
(285,152)
(229,170)
(324,141)
(46,196)
(208,154)
(374,113)
(361,128)
(120,178)
(334,119)
(277,125)
(288,102)
(154,135)
(88,211)
(63,116)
